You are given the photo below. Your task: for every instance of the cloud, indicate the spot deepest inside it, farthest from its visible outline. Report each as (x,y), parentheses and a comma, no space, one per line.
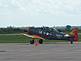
(40,12)
(53,7)
(42,7)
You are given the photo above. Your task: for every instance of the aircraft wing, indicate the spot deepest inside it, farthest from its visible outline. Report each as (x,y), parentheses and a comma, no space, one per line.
(34,36)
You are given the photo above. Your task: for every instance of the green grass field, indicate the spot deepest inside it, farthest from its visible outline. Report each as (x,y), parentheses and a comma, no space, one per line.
(16,38)
(13,39)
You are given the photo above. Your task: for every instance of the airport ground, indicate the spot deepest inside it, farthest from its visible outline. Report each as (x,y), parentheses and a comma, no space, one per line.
(15,47)
(44,52)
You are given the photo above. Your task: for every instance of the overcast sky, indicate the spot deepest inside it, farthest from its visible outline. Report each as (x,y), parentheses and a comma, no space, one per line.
(40,12)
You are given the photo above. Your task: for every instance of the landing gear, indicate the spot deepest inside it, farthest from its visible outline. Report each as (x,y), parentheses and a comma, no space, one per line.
(31,41)
(71,40)
(41,41)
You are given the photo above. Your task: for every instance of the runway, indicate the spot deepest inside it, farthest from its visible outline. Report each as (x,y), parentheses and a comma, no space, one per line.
(44,52)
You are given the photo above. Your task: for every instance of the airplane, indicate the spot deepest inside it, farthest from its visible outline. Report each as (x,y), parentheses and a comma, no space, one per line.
(43,33)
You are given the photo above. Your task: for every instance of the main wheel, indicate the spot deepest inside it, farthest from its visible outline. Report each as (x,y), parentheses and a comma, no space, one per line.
(41,41)
(31,41)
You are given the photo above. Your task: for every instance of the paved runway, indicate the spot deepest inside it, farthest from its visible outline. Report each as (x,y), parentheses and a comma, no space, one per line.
(45,52)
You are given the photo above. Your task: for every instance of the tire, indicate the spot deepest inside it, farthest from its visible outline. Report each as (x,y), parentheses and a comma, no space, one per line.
(71,39)
(31,41)
(71,42)
(41,41)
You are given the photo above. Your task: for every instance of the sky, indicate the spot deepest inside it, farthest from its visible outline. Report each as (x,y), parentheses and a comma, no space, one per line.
(40,12)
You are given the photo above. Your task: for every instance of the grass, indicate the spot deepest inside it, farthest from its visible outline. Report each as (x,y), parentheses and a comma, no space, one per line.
(16,38)
(13,39)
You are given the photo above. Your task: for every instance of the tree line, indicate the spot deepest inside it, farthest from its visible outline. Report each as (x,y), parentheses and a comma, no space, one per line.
(9,30)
